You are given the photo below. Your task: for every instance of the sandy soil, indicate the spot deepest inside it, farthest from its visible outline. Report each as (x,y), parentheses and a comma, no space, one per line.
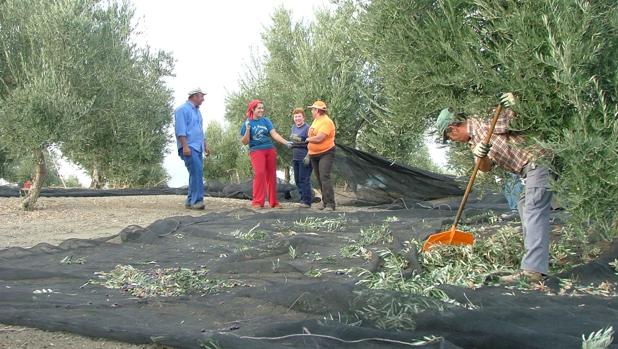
(58,219)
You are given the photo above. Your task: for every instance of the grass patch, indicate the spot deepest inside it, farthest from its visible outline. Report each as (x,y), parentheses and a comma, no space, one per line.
(292,252)
(468,266)
(465,266)
(251,235)
(321,223)
(599,340)
(368,236)
(70,259)
(393,313)
(161,282)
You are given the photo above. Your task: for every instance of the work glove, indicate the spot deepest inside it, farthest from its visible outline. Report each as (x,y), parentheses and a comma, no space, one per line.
(507,100)
(296,138)
(300,144)
(289,144)
(481,150)
(306,160)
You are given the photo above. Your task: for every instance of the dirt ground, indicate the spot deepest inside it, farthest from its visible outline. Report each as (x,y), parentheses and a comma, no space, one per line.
(59,219)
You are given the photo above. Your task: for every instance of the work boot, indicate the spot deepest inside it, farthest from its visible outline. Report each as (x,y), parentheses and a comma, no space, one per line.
(510,215)
(522,276)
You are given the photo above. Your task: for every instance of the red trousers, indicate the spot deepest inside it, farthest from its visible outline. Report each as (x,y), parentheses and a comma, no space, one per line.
(264,163)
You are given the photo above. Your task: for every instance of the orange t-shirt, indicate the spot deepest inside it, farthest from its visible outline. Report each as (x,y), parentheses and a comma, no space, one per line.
(322,125)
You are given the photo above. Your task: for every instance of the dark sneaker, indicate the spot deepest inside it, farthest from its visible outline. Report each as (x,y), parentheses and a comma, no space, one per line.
(197,206)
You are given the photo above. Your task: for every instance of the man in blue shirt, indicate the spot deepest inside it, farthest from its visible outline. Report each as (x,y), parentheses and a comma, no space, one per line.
(191,143)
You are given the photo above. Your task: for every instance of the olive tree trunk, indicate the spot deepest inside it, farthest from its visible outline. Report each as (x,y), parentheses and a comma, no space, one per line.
(40,171)
(97,179)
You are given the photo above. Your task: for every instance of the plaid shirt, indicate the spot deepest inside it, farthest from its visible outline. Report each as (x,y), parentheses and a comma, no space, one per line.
(506,147)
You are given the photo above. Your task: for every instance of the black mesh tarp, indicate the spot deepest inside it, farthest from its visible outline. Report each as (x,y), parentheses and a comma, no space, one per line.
(362,179)
(212,189)
(373,180)
(279,299)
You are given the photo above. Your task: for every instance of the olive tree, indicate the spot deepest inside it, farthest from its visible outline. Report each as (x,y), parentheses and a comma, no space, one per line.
(557,56)
(228,161)
(70,77)
(122,139)
(318,61)
(38,102)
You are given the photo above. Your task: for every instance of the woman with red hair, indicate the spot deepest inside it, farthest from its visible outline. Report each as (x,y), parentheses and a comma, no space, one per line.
(258,132)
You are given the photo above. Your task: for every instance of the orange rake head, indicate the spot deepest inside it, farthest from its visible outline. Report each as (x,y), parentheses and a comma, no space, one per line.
(449,237)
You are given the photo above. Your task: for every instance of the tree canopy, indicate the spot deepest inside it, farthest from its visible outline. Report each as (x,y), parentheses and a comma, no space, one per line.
(72,76)
(387,67)
(556,56)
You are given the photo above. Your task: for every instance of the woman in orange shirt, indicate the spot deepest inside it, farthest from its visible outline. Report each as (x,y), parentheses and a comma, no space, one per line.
(321,146)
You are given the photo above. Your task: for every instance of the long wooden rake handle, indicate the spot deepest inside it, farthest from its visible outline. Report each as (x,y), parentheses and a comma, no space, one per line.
(476,168)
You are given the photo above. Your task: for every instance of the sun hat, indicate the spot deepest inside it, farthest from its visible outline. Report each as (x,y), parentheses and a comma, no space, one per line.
(195,91)
(318,105)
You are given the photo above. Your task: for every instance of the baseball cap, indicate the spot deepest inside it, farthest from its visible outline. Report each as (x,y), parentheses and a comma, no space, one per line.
(447,117)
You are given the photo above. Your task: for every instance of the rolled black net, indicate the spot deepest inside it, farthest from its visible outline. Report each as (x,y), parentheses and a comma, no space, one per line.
(363,179)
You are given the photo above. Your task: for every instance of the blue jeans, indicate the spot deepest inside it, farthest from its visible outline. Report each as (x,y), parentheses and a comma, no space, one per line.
(512,190)
(302,178)
(195,166)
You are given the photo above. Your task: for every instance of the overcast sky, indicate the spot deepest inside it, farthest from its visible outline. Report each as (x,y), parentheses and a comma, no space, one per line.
(212,42)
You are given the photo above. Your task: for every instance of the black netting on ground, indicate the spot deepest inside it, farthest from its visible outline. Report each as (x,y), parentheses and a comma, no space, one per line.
(213,189)
(361,178)
(285,288)
(373,180)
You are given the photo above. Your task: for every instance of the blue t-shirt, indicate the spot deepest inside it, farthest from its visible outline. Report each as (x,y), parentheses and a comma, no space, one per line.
(300,151)
(260,133)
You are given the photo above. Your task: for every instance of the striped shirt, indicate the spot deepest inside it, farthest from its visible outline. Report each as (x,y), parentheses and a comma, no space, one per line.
(506,147)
